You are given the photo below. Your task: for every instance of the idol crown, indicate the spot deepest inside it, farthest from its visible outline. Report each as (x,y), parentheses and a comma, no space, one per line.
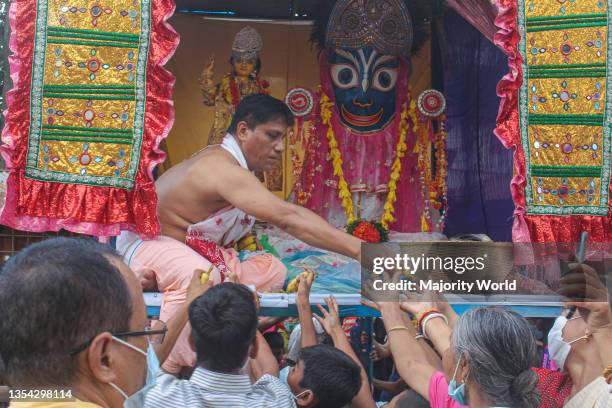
(247,43)
(385,25)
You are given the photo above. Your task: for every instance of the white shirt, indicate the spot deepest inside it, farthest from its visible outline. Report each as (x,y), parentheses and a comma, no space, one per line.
(211,389)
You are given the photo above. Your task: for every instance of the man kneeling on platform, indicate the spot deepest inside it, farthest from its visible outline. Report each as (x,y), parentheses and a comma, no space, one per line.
(210,201)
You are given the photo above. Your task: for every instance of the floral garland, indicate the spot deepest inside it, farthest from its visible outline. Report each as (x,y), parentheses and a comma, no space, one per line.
(230,89)
(440,188)
(422,149)
(433,184)
(304,187)
(343,190)
(369,231)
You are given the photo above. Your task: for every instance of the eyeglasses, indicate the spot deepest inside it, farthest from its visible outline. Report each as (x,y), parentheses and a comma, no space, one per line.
(155,330)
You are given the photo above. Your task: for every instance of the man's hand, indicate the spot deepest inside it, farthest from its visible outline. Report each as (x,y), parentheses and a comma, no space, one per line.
(390,312)
(415,306)
(380,352)
(148,280)
(196,287)
(331,318)
(304,286)
(583,282)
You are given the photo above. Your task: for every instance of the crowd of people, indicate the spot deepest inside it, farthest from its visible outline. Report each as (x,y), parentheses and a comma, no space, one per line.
(74,318)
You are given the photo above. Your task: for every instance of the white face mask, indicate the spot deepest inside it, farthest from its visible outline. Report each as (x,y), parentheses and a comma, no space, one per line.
(558,348)
(137,399)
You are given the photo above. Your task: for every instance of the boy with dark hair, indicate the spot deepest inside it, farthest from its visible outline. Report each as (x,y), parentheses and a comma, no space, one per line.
(324,377)
(224,324)
(224,337)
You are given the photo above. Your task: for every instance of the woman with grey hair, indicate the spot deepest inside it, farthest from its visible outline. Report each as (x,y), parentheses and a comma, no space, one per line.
(487,362)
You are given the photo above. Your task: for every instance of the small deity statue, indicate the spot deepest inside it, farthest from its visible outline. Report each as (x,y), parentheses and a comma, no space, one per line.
(242,81)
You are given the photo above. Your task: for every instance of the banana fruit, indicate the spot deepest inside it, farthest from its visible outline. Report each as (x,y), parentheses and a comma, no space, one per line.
(205,276)
(248,243)
(292,287)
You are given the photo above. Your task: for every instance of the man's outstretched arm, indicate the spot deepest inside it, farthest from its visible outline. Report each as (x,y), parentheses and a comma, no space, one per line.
(243,190)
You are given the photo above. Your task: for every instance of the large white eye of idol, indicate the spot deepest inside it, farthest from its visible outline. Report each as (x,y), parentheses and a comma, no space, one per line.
(384,79)
(345,76)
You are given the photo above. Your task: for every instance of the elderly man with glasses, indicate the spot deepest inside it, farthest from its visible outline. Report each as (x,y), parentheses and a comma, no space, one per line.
(74,328)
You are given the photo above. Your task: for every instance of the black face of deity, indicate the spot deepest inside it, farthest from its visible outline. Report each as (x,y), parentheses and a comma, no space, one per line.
(364,87)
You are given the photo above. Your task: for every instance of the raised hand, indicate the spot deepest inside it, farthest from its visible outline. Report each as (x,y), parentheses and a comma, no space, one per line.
(380,351)
(583,283)
(210,66)
(304,286)
(206,77)
(331,316)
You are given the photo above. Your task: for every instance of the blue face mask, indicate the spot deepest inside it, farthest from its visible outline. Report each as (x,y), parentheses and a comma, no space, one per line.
(137,399)
(283,374)
(457,392)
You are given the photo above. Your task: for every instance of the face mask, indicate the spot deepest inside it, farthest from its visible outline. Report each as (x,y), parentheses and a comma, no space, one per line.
(558,348)
(137,399)
(457,392)
(283,374)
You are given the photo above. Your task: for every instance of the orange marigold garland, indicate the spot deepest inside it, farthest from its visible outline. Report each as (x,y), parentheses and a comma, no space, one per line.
(369,231)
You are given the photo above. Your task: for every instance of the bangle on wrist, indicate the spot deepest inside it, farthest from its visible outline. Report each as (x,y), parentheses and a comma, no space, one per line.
(427,319)
(422,315)
(395,328)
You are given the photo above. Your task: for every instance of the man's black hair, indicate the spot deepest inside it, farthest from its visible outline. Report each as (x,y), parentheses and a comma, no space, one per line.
(55,296)
(223,322)
(260,108)
(274,340)
(331,374)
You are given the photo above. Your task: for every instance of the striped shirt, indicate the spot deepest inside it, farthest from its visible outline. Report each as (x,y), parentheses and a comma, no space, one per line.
(211,389)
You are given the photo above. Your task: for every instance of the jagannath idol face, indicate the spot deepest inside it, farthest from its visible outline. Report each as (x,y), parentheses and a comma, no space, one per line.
(364,87)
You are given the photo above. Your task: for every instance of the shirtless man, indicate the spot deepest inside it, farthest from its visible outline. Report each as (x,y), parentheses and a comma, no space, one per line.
(208,202)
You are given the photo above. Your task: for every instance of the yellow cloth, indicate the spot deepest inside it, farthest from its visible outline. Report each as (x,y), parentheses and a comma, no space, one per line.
(62,404)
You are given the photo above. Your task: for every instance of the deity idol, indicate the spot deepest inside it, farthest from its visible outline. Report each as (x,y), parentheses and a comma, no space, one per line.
(242,81)
(360,160)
